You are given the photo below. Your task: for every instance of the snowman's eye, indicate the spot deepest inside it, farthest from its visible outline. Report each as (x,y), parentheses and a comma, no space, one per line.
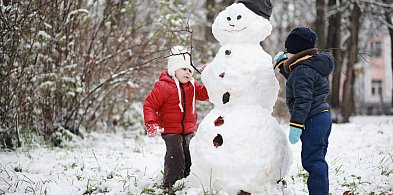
(238,17)
(229,18)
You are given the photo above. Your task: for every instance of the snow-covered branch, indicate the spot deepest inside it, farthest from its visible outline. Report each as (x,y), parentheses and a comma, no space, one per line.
(378,3)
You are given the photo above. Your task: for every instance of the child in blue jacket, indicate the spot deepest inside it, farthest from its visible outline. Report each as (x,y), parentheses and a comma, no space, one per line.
(307,88)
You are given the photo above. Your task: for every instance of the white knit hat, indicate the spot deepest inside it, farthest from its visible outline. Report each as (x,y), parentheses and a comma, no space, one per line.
(175,62)
(179,59)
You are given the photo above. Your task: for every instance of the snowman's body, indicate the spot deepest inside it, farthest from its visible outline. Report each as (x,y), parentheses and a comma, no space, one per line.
(248,77)
(254,153)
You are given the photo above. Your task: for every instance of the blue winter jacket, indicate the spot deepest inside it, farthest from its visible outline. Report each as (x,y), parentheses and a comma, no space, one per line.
(307,86)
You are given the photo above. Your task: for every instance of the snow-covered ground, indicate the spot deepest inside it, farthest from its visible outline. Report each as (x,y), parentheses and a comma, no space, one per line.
(360,156)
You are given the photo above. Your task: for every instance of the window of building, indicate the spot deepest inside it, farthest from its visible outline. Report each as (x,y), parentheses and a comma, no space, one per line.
(377,48)
(376,87)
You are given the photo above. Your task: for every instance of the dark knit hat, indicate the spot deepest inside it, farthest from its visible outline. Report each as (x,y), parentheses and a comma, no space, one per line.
(260,7)
(300,39)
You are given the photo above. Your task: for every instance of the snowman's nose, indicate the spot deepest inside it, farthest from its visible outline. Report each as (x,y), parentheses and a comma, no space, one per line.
(232,25)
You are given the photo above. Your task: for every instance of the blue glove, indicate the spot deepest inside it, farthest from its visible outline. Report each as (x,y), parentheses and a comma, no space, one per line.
(279,59)
(294,134)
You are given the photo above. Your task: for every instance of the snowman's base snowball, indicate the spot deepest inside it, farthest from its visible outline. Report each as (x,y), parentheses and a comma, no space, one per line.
(253,154)
(193,186)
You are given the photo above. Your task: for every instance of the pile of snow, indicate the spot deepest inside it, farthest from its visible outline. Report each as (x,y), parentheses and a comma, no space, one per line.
(360,158)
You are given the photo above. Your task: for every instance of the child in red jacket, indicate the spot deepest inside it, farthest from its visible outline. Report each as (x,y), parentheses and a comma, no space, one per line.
(170,110)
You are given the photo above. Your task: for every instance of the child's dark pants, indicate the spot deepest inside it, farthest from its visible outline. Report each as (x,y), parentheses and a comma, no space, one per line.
(314,147)
(177,158)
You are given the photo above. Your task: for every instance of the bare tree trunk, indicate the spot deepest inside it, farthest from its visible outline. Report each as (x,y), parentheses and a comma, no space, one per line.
(210,5)
(347,103)
(320,24)
(213,9)
(381,103)
(333,42)
(228,2)
(389,20)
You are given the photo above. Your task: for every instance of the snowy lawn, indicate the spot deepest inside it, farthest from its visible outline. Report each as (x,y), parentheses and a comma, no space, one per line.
(360,158)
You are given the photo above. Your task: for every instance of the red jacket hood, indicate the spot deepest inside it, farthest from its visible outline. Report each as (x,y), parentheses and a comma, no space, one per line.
(164,76)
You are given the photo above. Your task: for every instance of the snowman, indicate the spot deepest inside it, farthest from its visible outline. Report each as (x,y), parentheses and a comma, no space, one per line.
(239,146)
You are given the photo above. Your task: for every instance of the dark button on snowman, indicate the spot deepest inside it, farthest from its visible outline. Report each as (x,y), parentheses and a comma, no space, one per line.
(239,145)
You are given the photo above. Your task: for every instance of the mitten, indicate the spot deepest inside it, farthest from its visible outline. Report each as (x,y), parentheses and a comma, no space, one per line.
(279,59)
(152,129)
(294,134)
(202,68)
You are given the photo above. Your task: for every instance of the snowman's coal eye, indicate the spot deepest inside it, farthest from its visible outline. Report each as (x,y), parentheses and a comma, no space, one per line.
(238,17)
(229,18)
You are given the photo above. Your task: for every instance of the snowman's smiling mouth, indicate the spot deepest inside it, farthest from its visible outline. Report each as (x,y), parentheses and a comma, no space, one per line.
(235,30)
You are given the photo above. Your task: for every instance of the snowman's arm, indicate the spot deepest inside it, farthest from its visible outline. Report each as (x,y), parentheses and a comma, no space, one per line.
(205,72)
(153,103)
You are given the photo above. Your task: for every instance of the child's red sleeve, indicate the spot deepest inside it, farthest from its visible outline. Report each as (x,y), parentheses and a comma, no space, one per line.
(153,103)
(201,92)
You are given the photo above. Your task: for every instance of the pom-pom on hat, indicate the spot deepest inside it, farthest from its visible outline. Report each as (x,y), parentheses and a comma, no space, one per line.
(179,59)
(300,39)
(260,7)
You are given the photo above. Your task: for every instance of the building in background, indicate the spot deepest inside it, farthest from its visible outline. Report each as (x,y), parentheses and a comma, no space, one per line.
(373,84)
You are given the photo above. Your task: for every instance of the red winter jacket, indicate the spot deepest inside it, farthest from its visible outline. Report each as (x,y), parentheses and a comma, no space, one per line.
(162,105)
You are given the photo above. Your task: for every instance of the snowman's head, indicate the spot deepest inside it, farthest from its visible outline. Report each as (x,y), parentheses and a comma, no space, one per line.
(238,24)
